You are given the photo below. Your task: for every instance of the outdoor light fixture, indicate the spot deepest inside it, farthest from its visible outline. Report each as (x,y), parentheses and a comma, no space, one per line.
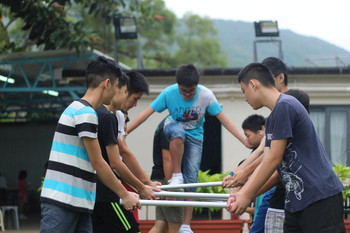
(125,27)
(6,79)
(266,29)
(51,92)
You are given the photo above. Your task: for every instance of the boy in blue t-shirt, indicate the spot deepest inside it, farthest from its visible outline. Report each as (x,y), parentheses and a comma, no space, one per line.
(313,200)
(187,102)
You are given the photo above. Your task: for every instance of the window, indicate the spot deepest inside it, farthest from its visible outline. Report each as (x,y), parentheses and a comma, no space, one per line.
(332,124)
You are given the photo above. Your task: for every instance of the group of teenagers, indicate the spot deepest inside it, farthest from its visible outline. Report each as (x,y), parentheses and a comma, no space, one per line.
(91,168)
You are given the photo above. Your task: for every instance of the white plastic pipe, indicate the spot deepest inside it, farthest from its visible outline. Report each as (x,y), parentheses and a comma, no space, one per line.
(191,185)
(206,204)
(216,196)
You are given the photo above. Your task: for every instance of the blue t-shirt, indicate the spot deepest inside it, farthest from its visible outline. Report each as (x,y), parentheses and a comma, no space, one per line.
(190,114)
(305,170)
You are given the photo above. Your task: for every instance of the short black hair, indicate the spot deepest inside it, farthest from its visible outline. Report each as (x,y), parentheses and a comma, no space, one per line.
(254,123)
(123,80)
(277,67)
(137,83)
(302,96)
(99,69)
(256,71)
(187,75)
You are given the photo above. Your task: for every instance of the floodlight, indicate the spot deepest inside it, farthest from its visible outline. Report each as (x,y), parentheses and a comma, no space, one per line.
(266,29)
(125,27)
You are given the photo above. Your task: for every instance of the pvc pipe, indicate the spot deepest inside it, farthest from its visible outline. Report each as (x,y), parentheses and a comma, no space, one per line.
(191,185)
(206,204)
(216,196)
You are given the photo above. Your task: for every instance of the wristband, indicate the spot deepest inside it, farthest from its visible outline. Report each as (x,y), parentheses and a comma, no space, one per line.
(231,173)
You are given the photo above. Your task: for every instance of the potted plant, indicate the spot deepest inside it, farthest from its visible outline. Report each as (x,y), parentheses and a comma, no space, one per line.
(343,172)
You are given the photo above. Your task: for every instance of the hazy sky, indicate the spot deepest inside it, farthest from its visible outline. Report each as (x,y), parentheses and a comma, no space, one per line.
(327,20)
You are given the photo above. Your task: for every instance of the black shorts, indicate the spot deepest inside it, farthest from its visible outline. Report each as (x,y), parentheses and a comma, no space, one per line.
(324,216)
(112,217)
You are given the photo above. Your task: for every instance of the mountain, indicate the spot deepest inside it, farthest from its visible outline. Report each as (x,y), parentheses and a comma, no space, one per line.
(237,38)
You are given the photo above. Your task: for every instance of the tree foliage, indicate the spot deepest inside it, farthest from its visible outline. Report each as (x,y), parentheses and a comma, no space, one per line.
(48,23)
(87,24)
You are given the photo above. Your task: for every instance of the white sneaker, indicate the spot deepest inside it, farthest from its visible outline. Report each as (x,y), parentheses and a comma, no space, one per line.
(176,180)
(185,229)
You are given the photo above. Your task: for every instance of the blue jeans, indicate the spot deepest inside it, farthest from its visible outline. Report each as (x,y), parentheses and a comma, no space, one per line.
(56,219)
(192,156)
(259,222)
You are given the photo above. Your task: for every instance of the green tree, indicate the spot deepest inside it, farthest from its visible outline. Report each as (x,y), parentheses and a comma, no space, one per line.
(198,43)
(49,25)
(84,24)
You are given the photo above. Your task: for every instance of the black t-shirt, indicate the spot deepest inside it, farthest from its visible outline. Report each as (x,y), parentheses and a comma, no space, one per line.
(107,134)
(159,143)
(277,200)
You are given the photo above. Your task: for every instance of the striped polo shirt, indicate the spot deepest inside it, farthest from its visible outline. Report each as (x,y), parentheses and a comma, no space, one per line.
(70,179)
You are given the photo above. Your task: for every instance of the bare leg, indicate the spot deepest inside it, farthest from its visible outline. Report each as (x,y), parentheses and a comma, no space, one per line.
(159,227)
(187,215)
(174,227)
(176,152)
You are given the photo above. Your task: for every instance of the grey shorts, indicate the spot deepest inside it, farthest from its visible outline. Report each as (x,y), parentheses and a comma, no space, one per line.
(169,214)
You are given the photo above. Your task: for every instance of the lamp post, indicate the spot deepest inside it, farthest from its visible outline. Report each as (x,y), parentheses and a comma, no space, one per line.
(267,29)
(126,29)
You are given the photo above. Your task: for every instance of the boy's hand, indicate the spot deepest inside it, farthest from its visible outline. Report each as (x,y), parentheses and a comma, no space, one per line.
(227,181)
(131,201)
(154,184)
(238,203)
(147,193)
(240,178)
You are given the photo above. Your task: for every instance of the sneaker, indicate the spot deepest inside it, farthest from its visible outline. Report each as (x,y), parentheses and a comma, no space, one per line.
(176,180)
(185,229)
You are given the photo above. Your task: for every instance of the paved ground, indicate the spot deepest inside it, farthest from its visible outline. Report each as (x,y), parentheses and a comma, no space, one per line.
(30,225)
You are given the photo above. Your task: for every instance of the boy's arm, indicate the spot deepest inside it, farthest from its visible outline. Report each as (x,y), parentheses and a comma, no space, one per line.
(239,201)
(228,124)
(272,181)
(253,156)
(133,165)
(243,171)
(140,119)
(124,172)
(105,174)
(241,176)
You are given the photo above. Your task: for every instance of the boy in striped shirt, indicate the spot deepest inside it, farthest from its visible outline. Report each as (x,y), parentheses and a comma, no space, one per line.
(69,189)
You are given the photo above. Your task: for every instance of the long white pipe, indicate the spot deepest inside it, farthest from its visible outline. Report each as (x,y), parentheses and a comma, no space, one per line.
(216,196)
(191,185)
(206,204)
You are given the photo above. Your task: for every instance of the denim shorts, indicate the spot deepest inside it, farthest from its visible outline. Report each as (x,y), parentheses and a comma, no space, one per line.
(56,219)
(192,157)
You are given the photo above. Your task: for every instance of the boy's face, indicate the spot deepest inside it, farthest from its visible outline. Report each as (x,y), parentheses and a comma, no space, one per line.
(110,89)
(252,138)
(119,98)
(250,92)
(131,101)
(188,92)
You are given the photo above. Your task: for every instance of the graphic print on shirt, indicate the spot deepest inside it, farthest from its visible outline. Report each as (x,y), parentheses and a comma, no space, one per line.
(188,117)
(289,168)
